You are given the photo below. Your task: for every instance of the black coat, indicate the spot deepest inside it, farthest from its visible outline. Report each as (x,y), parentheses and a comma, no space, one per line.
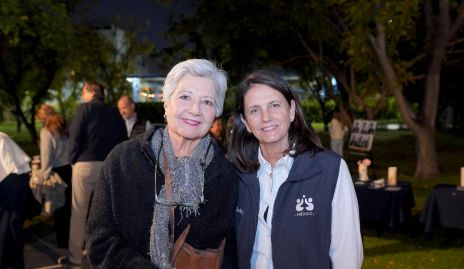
(118,229)
(95,130)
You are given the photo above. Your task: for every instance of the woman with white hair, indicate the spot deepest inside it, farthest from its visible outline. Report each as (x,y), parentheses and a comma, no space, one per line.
(169,181)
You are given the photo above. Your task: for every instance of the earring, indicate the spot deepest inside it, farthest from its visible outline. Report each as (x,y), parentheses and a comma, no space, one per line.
(164,116)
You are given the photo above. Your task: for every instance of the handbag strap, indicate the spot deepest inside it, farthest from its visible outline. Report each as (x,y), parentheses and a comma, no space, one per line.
(179,243)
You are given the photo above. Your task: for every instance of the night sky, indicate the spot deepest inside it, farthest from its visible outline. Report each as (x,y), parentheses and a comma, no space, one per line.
(152,16)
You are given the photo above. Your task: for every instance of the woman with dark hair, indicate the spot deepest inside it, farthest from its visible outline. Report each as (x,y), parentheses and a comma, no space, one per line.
(54,158)
(297,207)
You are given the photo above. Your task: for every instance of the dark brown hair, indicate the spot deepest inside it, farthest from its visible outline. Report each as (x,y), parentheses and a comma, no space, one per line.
(243,146)
(97,88)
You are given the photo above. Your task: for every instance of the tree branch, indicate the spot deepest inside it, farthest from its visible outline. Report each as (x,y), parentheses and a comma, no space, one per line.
(458,22)
(391,80)
(311,53)
(292,59)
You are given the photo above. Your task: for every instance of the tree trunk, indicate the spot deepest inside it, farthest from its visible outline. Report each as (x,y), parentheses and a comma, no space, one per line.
(426,166)
(18,124)
(422,124)
(33,133)
(30,126)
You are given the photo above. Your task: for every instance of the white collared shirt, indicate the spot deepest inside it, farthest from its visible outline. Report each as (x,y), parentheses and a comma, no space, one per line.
(346,250)
(130,122)
(270,179)
(13,160)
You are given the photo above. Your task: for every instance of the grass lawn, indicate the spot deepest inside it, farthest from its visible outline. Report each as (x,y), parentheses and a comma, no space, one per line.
(22,138)
(407,248)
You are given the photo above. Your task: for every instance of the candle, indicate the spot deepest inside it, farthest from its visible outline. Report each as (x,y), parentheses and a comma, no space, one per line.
(392,176)
(462,177)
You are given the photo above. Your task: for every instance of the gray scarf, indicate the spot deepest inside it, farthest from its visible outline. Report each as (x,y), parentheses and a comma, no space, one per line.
(187,175)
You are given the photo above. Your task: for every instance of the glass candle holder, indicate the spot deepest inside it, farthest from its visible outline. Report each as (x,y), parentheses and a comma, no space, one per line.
(392,172)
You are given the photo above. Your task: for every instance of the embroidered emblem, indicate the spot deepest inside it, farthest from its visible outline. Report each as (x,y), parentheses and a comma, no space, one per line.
(239,210)
(304,206)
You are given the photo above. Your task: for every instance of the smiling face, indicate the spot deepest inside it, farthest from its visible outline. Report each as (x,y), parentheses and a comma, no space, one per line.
(268,115)
(190,110)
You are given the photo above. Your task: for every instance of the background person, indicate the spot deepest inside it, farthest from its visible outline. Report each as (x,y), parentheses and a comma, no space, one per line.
(337,133)
(54,157)
(217,132)
(129,224)
(135,126)
(297,206)
(14,191)
(94,131)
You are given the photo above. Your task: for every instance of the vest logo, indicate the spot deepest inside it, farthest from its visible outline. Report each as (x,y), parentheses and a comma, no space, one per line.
(304,207)
(238,210)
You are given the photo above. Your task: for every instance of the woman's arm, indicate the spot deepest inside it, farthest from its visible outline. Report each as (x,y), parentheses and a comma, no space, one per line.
(46,152)
(346,249)
(106,247)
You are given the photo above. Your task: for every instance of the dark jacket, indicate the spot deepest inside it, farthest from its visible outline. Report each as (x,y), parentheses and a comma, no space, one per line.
(300,238)
(139,128)
(95,130)
(121,215)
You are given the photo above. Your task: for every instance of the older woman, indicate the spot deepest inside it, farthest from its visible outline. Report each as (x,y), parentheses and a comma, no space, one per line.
(129,224)
(297,207)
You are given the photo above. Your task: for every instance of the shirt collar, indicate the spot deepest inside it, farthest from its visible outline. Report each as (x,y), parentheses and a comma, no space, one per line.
(132,119)
(285,162)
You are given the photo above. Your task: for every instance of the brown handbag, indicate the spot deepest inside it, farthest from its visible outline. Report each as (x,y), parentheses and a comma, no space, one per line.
(183,255)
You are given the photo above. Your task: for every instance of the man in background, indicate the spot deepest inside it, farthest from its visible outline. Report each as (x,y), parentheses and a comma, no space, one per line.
(95,130)
(134,125)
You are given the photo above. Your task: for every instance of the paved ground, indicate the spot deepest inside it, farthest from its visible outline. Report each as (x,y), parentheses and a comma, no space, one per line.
(43,253)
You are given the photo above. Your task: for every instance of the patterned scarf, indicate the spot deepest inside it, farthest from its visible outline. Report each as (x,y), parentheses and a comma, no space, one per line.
(187,175)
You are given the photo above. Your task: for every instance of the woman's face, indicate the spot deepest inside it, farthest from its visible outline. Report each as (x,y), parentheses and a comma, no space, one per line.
(268,115)
(190,111)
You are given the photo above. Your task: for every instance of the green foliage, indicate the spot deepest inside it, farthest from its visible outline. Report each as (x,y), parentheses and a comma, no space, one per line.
(390,110)
(113,54)
(44,56)
(35,39)
(21,138)
(311,110)
(399,19)
(305,37)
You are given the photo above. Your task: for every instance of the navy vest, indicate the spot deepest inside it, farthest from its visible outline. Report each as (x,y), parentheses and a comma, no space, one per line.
(301,224)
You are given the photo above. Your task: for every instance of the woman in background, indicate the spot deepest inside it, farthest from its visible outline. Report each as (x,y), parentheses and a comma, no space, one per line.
(54,158)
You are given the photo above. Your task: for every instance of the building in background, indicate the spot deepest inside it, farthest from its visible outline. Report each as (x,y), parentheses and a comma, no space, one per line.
(146,87)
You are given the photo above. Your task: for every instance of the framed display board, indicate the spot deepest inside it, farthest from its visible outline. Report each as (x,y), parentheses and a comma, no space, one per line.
(362,135)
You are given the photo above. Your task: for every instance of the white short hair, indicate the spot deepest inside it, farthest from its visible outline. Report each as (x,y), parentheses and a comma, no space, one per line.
(199,68)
